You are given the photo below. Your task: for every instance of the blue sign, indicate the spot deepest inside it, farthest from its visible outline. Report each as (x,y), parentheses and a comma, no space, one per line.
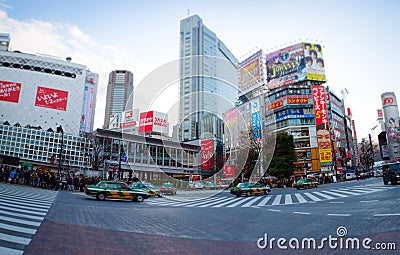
(123,157)
(256,125)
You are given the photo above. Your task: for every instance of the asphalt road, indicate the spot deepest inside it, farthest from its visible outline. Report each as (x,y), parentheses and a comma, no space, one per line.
(209,222)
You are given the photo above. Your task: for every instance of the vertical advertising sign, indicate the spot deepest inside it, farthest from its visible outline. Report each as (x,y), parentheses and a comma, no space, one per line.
(322,124)
(51,98)
(255,120)
(9,91)
(146,122)
(207,154)
(88,103)
(391,113)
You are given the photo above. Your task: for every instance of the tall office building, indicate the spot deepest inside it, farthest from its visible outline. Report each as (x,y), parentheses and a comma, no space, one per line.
(119,90)
(203,96)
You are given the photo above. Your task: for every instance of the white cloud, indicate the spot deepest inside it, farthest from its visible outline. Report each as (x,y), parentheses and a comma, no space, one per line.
(64,40)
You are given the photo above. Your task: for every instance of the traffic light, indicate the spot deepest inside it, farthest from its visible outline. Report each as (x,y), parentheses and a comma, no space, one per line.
(52,159)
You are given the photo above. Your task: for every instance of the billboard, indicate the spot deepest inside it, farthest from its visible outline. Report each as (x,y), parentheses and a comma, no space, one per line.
(88,104)
(322,124)
(297,100)
(9,91)
(130,118)
(153,121)
(251,73)
(146,122)
(207,154)
(231,117)
(255,120)
(229,171)
(391,114)
(114,121)
(51,98)
(299,62)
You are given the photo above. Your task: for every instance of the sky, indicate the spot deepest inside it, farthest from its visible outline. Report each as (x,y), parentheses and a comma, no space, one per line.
(360,38)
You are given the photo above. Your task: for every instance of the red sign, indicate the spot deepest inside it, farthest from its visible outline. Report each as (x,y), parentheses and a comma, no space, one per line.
(146,122)
(229,171)
(276,105)
(297,100)
(321,113)
(9,91)
(207,154)
(380,113)
(51,98)
(388,100)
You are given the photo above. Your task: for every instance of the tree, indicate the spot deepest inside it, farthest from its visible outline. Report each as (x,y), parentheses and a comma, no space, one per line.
(97,155)
(284,156)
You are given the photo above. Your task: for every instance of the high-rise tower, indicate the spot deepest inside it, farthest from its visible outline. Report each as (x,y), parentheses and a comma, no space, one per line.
(201,92)
(119,90)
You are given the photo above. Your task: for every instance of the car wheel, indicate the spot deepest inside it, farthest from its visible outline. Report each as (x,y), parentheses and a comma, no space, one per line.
(238,195)
(298,188)
(248,194)
(266,192)
(385,182)
(139,198)
(101,196)
(316,185)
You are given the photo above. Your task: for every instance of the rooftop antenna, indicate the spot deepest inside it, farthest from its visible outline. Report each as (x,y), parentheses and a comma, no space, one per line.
(188,13)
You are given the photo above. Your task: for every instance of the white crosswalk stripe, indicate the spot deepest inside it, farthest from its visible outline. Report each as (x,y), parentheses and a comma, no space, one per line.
(22,210)
(222,200)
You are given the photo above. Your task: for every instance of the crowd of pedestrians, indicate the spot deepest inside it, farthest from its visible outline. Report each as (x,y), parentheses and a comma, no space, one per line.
(45,179)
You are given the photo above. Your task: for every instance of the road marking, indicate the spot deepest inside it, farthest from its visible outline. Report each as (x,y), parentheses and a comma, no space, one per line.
(18,229)
(24,207)
(314,198)
(273,210)
(12,201)
(334,193)
(338,202)
(8,251)
(288,199)
(21,215)
(323,195)
(339,214)
(22,211)
(15,239)
(227,202)
(301,212)
(300,198)
(264,201)
(216,202)
(347,192)
(277,200)
(248,204)
(388,214)
(240,202)
(25,222)
(362,190)
(190,204)
(369,201)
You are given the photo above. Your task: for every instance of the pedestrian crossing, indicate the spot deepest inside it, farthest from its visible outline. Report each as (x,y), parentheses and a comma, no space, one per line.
(308,196)
(22,210)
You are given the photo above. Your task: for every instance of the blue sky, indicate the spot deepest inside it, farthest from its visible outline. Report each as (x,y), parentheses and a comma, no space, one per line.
(360,38)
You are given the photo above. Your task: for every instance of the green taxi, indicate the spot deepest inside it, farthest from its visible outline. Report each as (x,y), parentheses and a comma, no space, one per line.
(115,190)
(151,190)
(305,184)
(249,189)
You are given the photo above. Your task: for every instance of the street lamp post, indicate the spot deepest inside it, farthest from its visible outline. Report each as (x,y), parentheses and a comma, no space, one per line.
(60,130)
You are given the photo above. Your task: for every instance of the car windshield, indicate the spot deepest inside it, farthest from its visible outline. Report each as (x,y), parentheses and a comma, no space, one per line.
(168,185)
(243,185)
